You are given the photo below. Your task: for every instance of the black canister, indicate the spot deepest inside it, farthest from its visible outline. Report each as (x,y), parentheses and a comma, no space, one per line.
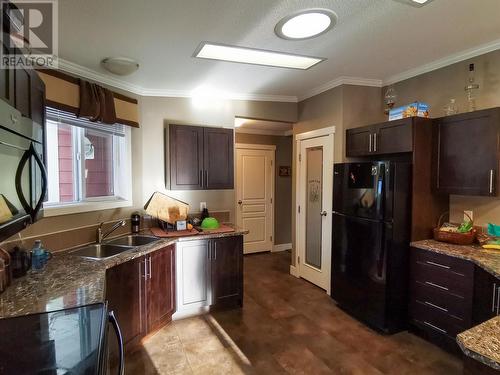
(135,220)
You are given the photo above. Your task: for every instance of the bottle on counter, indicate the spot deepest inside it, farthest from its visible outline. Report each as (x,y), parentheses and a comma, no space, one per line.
(39,256)
(135,221)
(204,214)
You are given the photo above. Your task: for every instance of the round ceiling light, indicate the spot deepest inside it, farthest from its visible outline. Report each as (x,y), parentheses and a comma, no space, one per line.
(121,66)
(306,24)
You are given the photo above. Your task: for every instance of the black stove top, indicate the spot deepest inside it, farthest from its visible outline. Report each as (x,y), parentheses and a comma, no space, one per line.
(54,343)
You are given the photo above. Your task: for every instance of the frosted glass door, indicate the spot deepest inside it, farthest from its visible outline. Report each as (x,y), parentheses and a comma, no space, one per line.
(314,195)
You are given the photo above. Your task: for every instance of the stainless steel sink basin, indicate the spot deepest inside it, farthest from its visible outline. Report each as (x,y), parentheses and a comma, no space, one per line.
(100,251)
(133,240)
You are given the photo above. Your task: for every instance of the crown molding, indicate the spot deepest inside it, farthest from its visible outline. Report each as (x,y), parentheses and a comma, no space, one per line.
(444,62)
(358,81)
(263,131)
(81,71)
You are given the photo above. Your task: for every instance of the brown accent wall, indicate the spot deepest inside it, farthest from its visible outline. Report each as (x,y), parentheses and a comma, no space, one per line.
(283,185)
(436,88)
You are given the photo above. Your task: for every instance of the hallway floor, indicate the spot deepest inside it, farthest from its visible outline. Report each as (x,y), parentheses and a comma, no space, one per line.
(287,326)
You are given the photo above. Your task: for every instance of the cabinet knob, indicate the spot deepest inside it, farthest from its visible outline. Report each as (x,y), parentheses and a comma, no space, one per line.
(240,202)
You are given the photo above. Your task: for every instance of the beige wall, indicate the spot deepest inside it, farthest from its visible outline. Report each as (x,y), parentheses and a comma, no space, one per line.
(436,88)
(283,185)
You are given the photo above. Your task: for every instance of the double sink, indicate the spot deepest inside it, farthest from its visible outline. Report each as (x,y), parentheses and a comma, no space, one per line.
(113,247)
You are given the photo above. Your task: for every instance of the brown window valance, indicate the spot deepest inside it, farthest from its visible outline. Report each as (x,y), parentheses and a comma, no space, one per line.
(63,92)
(96,103)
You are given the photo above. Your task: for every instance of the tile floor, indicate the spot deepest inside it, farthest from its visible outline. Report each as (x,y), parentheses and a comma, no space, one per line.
(287,326)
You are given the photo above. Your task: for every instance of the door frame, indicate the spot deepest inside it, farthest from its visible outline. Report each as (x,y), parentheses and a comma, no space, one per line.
(251,146)
(324,132)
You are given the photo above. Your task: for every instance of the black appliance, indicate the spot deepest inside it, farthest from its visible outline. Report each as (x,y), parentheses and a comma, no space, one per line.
(370,244)
(24,180)
(71,341)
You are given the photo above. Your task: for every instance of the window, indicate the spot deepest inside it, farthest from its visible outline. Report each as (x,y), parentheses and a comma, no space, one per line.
(88,164)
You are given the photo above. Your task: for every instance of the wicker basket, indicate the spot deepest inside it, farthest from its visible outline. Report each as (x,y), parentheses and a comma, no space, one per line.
(453,237)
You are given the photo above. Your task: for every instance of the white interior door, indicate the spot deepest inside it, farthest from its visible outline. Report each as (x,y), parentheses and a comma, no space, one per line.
(315,189)
(254,197)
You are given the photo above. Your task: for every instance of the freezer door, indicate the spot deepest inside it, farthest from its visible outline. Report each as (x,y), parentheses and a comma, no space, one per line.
(359,189)
(359,259)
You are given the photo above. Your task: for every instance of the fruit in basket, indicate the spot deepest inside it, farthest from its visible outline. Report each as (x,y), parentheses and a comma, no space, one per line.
(465,227)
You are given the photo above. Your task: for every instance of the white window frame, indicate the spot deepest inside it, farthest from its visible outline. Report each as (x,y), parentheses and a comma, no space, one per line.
(122,187)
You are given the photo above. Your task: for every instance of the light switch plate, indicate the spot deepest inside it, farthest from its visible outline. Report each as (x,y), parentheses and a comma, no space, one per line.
(470,213)
(203,205)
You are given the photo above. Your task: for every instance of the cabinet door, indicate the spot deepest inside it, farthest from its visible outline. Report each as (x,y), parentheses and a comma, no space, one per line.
(7,82)
(125,293)
(359,141)
(227,271)
(466,147)
(161,287)
(193,287)
(394,137)
(22,79)
(37,99)
(218,158)
(486,296)
(186,157)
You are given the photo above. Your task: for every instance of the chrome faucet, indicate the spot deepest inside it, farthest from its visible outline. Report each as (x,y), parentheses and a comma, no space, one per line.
(101,236)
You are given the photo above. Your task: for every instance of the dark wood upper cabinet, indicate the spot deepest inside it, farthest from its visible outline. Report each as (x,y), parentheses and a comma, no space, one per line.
(486,296)
(186,157)
(394,136)
(161,290)
(7,82)
(37,98)
(358,141)
(22,81)
(200,158)
(218,158)
(125,292)
(390,137)
(466,148)
(227,271)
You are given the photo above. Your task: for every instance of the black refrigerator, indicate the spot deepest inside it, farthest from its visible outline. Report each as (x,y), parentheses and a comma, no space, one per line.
(370,244)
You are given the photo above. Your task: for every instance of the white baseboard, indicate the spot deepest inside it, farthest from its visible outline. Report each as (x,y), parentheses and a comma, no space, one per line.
(293,271)
(188,313)
(282,247)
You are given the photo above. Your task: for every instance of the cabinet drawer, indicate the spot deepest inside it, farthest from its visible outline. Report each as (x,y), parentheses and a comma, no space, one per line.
(447,281)
(451,304)
(436,320)
(439,262)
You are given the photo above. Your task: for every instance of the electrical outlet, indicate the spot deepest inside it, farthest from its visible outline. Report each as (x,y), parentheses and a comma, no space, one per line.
(470,213)
(203,205)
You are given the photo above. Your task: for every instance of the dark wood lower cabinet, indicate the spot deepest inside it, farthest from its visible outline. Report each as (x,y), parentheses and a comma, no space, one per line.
(141,292)
(161,288)
(125,292)
(227,271)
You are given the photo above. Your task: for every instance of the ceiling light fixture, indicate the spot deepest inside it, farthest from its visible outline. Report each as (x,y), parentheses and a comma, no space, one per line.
(415,3)
(306,24)
(254,56)
(121,66)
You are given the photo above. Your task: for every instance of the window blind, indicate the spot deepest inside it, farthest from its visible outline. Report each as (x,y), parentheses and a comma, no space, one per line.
(69,118)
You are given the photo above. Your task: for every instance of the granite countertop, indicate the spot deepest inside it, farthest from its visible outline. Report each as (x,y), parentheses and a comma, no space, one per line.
(481,342)
(70,281)
(489,260)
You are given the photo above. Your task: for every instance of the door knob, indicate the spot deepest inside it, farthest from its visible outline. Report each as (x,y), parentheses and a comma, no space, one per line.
(240,202)
(323,213)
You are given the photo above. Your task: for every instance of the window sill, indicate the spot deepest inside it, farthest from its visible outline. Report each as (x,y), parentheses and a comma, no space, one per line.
(75,208)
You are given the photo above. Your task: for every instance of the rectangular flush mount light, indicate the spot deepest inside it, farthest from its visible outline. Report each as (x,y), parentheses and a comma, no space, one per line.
(254,56)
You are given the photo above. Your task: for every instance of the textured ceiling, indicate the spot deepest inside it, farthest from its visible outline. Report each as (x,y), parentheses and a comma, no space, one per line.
(374,39)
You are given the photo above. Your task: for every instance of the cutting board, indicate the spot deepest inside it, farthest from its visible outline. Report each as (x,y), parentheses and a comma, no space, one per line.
(158,232)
